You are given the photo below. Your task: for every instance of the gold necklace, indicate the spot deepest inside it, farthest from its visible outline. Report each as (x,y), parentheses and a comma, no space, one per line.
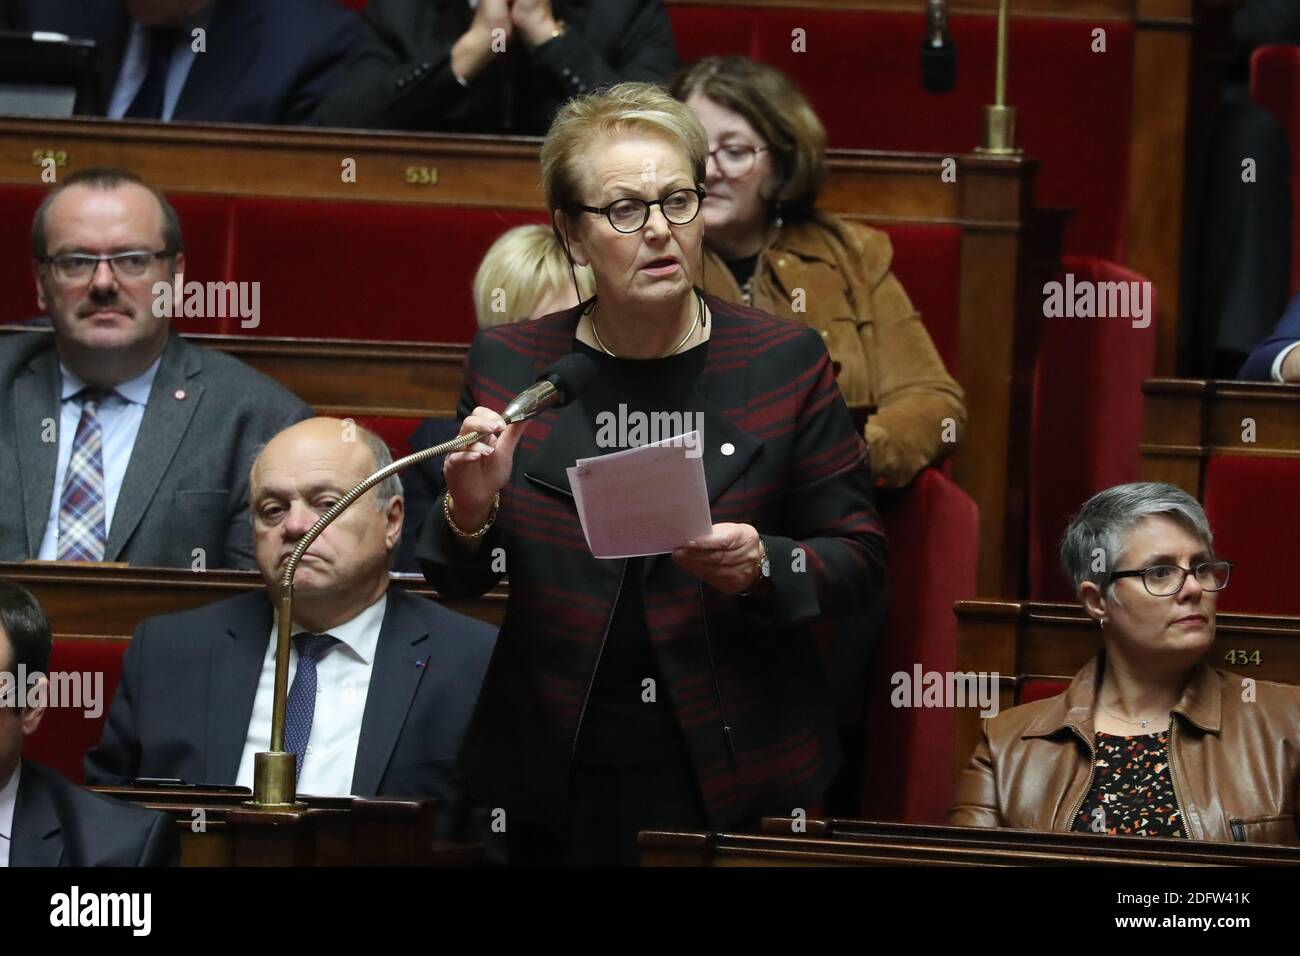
(685,338)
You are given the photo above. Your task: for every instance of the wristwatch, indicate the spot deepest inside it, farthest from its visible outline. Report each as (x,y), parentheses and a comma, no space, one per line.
(764,570)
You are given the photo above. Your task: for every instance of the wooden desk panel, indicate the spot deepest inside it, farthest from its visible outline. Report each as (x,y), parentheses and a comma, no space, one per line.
(348,377)
(1024,641)
(1187,421)
(1096,847)
(908,845)
(216,829)
(104,601)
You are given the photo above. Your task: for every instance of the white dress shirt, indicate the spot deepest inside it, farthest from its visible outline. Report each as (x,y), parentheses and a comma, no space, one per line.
(342,685)
(8,801)
(135,65)
(120,414)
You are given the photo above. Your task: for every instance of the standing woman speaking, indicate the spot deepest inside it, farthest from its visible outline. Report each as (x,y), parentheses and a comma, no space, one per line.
(681,690)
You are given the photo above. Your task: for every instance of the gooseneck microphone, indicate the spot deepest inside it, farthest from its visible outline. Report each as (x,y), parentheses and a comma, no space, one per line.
(938,52)
(274,772)
(558,385)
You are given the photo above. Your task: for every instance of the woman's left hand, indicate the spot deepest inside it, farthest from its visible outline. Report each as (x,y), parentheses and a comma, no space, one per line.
(726,558)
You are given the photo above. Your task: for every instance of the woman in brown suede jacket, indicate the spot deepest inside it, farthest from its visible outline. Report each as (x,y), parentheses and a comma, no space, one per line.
(769,247)
(1148,739)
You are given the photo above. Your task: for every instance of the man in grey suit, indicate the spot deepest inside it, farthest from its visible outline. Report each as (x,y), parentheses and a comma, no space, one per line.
(129,443)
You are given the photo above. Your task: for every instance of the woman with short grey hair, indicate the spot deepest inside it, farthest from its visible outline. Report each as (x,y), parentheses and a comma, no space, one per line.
(1149,739)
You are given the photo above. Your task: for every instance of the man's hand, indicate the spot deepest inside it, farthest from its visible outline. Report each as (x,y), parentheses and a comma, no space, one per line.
(726,558)
(471,54)
(1291,366)
(534,20)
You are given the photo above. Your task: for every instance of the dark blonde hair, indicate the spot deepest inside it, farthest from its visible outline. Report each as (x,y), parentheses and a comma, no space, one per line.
(628,109)
(779,113)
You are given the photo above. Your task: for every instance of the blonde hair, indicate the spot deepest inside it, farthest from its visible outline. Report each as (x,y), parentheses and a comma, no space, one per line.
(628,109)
(525,266)
(779,113)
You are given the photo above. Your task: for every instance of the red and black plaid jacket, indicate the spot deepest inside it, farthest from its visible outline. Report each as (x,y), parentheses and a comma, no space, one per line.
(746,680)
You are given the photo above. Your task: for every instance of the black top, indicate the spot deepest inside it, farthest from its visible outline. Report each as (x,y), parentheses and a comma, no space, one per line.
(743,269)
(620,726)
(1132,790)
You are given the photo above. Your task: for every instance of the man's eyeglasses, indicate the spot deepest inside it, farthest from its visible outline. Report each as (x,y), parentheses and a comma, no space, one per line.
(1164,580)
(78,266)
(736,159)
(629,215)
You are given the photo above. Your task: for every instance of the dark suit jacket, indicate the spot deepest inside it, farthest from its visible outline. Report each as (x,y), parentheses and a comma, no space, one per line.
(186,485)
(267,61)
(1259,366)
(399,75)
(189,681)
(422,486)
(57,823)
(744,675)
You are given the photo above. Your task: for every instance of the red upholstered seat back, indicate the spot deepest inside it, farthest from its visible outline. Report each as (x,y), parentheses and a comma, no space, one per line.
(1038,689)
(396,432)
(365,270)
(933,530)
(1250,503)
(66,733)
(861,71)
(379,271)
(1087,420)
(927,261)
(17,285)
(1275,85)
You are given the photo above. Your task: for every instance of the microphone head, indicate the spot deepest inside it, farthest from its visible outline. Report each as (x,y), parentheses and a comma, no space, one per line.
(938,67)
(570,375)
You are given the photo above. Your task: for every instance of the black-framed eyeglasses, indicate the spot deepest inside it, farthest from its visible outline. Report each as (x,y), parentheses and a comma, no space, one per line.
(735,159)
(629,215)
(76,266)
(1165,580)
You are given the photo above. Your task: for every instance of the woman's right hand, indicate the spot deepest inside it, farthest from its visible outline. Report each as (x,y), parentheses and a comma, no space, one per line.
(475,474)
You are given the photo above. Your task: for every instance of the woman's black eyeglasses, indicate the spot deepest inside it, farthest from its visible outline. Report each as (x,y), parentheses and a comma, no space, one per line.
(629,215)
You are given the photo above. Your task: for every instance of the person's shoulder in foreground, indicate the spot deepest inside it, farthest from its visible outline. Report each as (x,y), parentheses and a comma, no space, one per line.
(57,823)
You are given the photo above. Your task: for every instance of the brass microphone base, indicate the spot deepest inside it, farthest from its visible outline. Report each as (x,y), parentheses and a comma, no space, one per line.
(275,782)
(999,131)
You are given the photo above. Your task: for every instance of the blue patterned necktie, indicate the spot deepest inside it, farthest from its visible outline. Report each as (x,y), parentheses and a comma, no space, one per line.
(302,695)
(82,531)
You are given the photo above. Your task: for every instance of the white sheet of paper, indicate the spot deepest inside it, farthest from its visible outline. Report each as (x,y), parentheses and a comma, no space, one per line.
(645,500)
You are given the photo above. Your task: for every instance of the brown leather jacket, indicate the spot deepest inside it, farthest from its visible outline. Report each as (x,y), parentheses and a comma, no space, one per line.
(1235,762)
(884,355)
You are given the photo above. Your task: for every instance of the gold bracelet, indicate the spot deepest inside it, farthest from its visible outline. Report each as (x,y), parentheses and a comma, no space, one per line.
(470,535)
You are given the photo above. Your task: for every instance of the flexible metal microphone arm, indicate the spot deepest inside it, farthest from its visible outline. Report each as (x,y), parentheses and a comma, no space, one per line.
(936,22)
